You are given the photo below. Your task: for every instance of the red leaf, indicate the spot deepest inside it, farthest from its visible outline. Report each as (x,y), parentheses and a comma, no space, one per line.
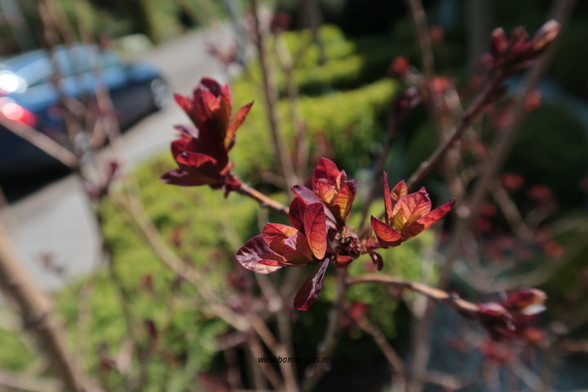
(325,168)
(377,260)
(428,220)
(272,263)
(194,159)
(400,190)
(324,190)
(307,195)
(212,85)
(184,178)
(409,209)
(310,289)
(387,236)
(287,242)
(253,252)
(315,229)
(183,102)
(239,118)
(277,231)
(344,199)
(343,261)
(297,208)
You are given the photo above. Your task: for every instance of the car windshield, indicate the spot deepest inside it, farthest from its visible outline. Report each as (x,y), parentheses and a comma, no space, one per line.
(35,67)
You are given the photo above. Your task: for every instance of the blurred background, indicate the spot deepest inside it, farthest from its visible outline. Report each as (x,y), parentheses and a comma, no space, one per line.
(140,51)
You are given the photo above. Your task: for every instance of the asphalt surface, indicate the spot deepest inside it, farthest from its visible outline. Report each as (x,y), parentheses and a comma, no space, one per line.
(55,221)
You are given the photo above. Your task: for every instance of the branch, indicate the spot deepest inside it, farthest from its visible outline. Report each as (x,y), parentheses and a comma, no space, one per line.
(314,373)
(451,299)
(271,101)
(42,141)
(419,20)
(25,383)
(38,318)
(262,199)
(391,355)
(469,117)
(508,135)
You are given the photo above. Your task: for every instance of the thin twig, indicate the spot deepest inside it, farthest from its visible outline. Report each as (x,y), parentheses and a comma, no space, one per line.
(271,100)
(386,348)
(508,135)
(42,141)
(257,355)
(425,324)
(262,199)
(380,165)
(430,292)
(469,117)
(287,64)
(314,373)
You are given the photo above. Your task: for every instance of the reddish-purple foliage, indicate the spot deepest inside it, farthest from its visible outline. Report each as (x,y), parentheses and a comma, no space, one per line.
(201,152)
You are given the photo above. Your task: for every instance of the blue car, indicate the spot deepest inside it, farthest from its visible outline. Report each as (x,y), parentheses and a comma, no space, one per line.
(28,95)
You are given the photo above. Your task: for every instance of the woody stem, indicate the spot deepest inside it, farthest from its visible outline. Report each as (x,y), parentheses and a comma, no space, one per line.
(262,199)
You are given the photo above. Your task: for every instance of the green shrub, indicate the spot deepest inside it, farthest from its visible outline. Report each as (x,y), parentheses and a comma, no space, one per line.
(15,355)
(352,121)
(568,280)
(350,63)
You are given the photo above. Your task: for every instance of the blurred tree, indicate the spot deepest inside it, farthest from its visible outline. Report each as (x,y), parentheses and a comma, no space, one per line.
(13,19)
(479,22)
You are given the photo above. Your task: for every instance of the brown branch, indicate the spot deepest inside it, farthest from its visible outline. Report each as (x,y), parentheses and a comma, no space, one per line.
(507,137)
(267,369)
(278,349)
(380,165)
(262,199)
(419,20)
(132,209)
(511,212)
(425,324)
(314,373)
(391,355)
(285,59)
(38,318)
(271,100)
(430,292)
(25,383)
(469,117)
(42,141)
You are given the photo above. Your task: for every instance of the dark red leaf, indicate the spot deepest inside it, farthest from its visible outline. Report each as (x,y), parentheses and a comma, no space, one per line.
(377,260)
(184,178)
(297,208)
(277,231)
(325,168)
(310,289)
(253,252)
(307,195)
(194,159)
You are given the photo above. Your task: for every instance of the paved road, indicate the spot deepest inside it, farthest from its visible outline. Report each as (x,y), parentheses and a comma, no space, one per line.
(56,220)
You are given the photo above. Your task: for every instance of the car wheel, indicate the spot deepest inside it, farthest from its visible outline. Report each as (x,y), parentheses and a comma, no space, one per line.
(159,94)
